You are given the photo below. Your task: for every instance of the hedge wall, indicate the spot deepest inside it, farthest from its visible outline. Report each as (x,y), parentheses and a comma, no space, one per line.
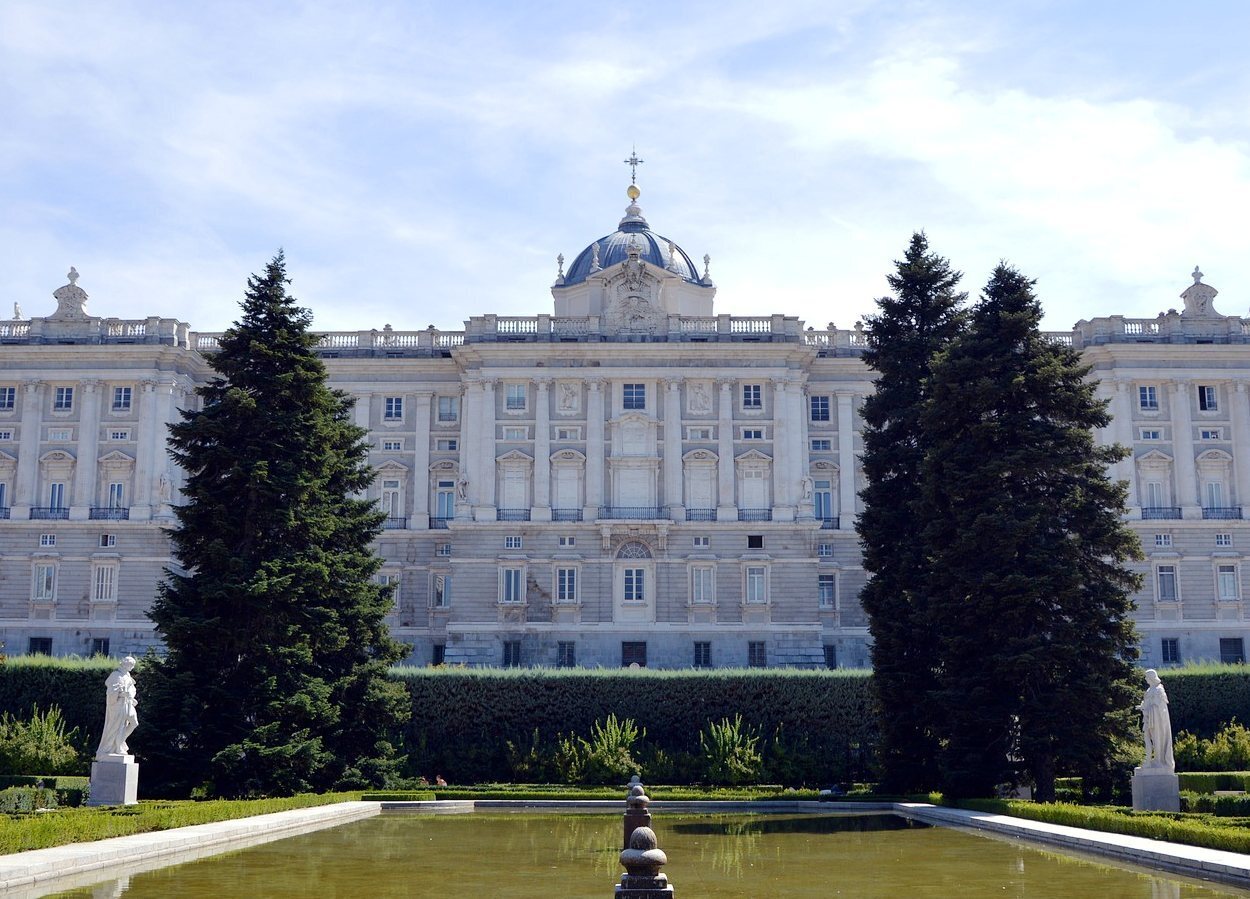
(76,685)
(1203,698)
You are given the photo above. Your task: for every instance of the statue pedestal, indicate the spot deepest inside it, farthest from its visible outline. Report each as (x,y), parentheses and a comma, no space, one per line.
(1156,790)
(114,781)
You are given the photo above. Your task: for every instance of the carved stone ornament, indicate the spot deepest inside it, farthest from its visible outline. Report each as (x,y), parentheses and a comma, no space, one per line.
(570,396)
(71,300)
(1198,297)
(699,397)
(632,308)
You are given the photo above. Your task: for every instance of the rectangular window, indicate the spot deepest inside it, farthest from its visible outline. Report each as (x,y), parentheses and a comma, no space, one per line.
(635,585)
(824,550)
(515,396)
(752,433)
(392,499)
(1163,540)
(822,446)
(1208,399)
(121,399)
(1171,650)
(1232,650)
(633,652)
(512,542)
(47,539)
(442,591)
(119,435)
(107,541)
(449,408)
(117,495)
(566,585)
(443,549)
(1210,434)
(1148,397)
(511,585)
(99,646)
(63,399)
(827,590)
(698,433)
(445,500)
(6,434)
(1151,434)
(1226,583)
(516,432)
(568,433)
(822,499)
(634,396)
(438,654)
(44,589)
(752,396)
(1220,539)
(757,584)
(392,446)
(566,654)
(8,398)
(39,646)
(702,579)
(447,445)
(820,408)
(701,542)
(567,540)
(831,657)
(4,495)
(755,541)
(56,496)
(394,410)
(105,580)
(60,433)
(1165,583)
(757,654)
(512,653)
(702,654)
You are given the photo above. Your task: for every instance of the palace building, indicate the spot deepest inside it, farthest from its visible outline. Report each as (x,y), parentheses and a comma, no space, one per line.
(628,478)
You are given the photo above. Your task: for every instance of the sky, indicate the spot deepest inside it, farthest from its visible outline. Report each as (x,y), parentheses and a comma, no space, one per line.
(421,162)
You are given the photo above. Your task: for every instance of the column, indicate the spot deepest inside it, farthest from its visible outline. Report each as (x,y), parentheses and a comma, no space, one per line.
(542,451)
(27,478)
(783,470)
(484,474)
(1183,452)
(1121,431)
(846,461)
(1241,441)
(362,411)
(726,502)
(162,484)
(470,445)
(419,520)
(84,496)
(796,437)
(145,463)
(594,447)
(672,448)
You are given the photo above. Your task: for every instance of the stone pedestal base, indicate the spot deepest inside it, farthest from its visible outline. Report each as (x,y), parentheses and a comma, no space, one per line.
(115,781)
(635,887)
(1156,790)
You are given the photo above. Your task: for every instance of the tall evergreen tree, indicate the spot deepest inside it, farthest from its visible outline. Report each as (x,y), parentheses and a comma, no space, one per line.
(917,321)
(1026,544)
(275,680)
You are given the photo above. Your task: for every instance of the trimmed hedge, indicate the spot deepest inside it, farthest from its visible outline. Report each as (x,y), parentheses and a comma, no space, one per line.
(1204,698)
(75,685)
(463,719)
(1210,781)
(399,796)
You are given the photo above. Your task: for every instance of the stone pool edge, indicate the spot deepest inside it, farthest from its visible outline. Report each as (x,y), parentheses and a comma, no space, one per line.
(78,864)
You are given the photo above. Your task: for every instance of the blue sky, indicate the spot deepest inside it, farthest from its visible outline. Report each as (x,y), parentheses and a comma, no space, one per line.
(422,162)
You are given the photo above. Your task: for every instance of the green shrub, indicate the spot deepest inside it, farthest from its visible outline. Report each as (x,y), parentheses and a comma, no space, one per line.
(1227,750)
(40,744)
(606,758)
(729,752)
(1210,781)
(399,796)
(26,799)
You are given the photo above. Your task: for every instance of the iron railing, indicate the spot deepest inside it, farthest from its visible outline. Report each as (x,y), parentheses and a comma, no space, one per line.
(643,513)
(109,513)
(49,512)
(1151,513)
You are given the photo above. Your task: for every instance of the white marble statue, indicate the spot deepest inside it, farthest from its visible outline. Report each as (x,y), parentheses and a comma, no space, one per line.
(1156,724)
(462,488)
(121,714)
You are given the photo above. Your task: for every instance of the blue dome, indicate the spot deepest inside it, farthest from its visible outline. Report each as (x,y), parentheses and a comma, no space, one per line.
(614,248)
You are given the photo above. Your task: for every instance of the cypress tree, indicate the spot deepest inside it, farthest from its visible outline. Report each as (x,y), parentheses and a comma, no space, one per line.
(919,319)
(275,679)
(1029,592)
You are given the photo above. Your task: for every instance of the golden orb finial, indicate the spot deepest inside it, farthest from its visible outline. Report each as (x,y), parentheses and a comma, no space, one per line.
(633,192)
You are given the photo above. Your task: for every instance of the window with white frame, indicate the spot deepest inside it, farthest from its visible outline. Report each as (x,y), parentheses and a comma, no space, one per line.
(512,585)
(1151,434)
(635,584)
(393,409)
(1165,583)
(1227,586)
(392,446)
(1171,647)
(512,542)
(47,539)
(567,433)
(701,542)
(824,550)
(4,495)
(448,408)
(6,434)
(699,433)
(1163,541)
(63,399)
(821,445)
(43,587)
(1208,398)
(392,498)
(107,541)
(827,590)
(1220,539)
(447,445)
(117,495)
(566,585)
(822,499)
(8,399)
(56,495)
(119,434)
(702,584)
(515,397)
(121,399)
(1210,434)
(104,582)
(390,580)
(1213,494)
(440,592)
(633,396)
(515,432)
(820,408)
(60,433)
(566,540)
(444,499)
(752,396)
(1148,397)
(752,433)
(443,549)
(756,590)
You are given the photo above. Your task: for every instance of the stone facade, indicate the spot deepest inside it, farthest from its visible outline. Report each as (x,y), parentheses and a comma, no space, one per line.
(632,479)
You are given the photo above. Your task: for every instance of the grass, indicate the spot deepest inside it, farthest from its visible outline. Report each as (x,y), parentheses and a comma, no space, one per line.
(39,830)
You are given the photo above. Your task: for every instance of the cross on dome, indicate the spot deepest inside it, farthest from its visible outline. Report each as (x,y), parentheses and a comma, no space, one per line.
(633,162)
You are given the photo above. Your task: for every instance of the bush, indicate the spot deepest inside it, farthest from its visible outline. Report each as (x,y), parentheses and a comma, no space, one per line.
(729,752)
(399,796)
(606,758)
(40,744)
(27,799)
(1227,750)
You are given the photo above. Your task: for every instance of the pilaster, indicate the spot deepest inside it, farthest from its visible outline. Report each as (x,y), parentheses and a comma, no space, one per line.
(672,448)
(1241,441)
(145,463)
(726,501)
(783,464)
(542,451)
(484,475)
(84,495)
(28,449)
(1121,431)
(846,461)
(1183,448)
(594,447)
(419,520)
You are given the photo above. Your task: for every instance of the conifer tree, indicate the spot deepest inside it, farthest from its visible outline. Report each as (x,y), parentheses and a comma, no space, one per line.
(275,680)
(1029,593)
(919,319)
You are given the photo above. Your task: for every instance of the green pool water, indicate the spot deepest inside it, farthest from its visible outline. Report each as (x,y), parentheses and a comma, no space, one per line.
(537,854)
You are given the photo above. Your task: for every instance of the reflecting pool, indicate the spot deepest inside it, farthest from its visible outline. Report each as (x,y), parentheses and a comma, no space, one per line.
(541,854)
